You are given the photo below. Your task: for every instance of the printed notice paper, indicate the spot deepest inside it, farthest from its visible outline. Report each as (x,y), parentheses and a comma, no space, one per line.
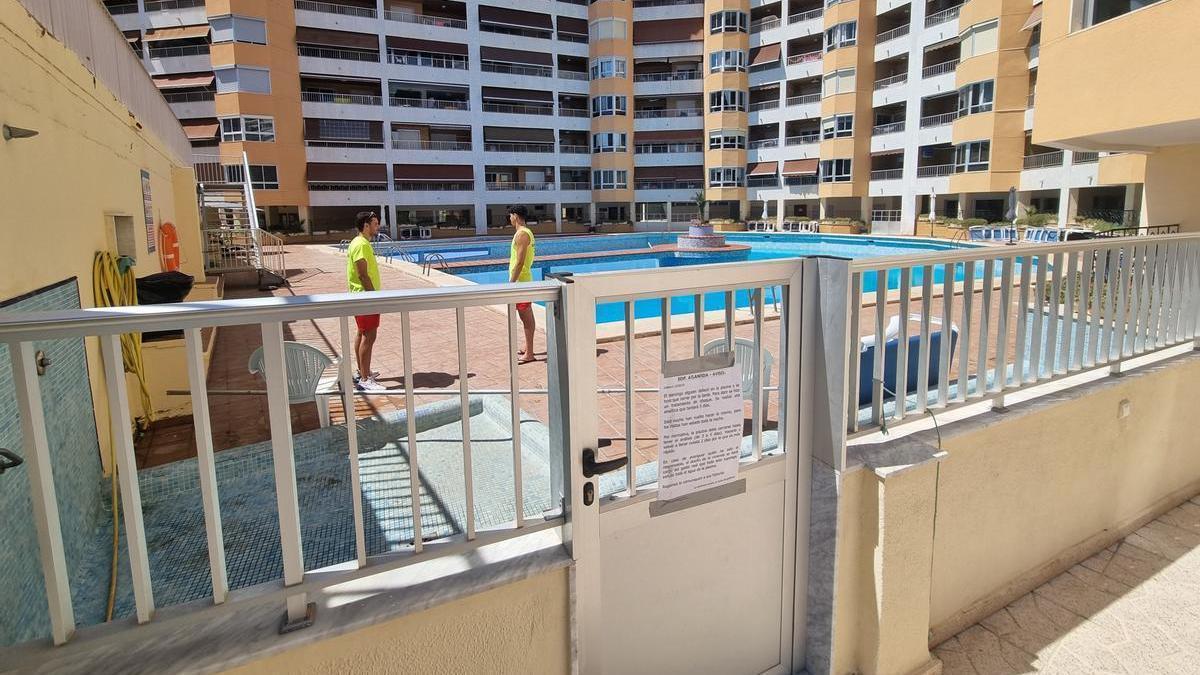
(700,425)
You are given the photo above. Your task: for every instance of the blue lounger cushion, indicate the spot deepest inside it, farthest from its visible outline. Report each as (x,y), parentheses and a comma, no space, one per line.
(866,364)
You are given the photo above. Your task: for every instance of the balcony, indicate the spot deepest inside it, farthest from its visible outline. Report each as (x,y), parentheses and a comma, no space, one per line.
(335,9)
(893,81)
(1085,157)
(1043,160)
(935,170)
(803,139)
(514,146)
(804,99)
(570,149)
(943,16)
(192,104)
(763,143)
(667,148)
(402,16)
(573,112)
(766,24)
(772,104)
(667,184)
(333,61)
(428,104)
(524,70)
(520,186)
(884,129)
(943,119)
(341,99)
(668,113)
(887,174)
(518,109)
(408,58)
(885,36)
(447,146)
(810,15)
(435,185)
(807,57)
(939,69)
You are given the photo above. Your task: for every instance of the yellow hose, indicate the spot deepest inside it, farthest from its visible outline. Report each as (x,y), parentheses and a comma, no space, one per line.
(112,287)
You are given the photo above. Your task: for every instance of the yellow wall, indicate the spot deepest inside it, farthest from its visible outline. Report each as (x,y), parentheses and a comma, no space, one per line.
(85,163)
(520,628)
(1172,175)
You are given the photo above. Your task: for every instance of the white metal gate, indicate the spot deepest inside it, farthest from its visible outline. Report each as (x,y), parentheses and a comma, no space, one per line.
(706,583)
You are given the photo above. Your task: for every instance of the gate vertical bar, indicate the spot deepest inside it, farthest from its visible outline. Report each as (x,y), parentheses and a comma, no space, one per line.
(630,432)
(464,403)
(347,385)
(514,396)
(902,345)
(206,466)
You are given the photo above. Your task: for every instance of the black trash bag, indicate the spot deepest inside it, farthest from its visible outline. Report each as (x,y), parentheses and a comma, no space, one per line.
(164,287)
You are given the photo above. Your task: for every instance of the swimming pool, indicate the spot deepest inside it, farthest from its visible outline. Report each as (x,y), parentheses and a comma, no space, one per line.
(762,247)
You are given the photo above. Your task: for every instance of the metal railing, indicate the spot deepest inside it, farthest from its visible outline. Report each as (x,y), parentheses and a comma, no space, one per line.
(513,146)
(664,3)
(571,148)
(762,181)
(1043,160)
(518,109)
(1083,305)
(188,96)
(337,54)
(885,215)
(806,16)
(899,31)
(334,8)
(1085,157)
(1144,231)
(943,16)
(890,128)
(666,184)
(516,69)
(763,143)
(434,185)
(521,31)
(410,144)
(887,174)
(938,120)
(167,5)
(803,139)
(176,52)
(892,81)
(342,143)
(517,185)
(939,68)
(398,57)
(669,77)
(575,185)
(764,24)
(668,112)
(348,186)
(423,20)
(666,148)
(243,249)
(432,104)
(572,74)
(806,57)
(771,104)
(803,99)
(935,170)
(573,112)
(342,99)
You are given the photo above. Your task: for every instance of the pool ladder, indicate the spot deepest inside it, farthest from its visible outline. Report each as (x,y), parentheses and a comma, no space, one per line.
(432,259)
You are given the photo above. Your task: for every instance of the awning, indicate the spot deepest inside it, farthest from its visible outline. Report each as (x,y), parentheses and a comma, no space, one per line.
(799,167)
(517,135)
(515,56)
(177,33)
(667,136)
(522,95)
(762,169)
(199,129)
(885,153)
(433,172)
(765,54)
(567,24)
(431,46)
(336,38)
(183,80)
(668,30)
(336,172)
(515,17)
(1035,18)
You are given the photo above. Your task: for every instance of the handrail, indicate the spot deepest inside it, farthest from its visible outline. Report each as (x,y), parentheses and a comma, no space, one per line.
(887,174)
(948,14)
(516,69)
(805,16)
(935,170)
(400,102)
(669,77)
(344,99)
(423,20)
(764,24)
(516,146)
(334,8)
(939,68)
(771,104)
(408,144)
(938,120)
(337,54)
(668,112)
(892,81)
(1043,160)
(890,128)
(517,185)
(803,139)
(899,31)
(803,99)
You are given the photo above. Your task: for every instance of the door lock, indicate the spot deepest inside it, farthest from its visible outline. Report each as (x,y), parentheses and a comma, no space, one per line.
(591,467)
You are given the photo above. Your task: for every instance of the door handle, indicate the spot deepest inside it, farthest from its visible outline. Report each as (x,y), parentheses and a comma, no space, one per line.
(9,460)
(591,467)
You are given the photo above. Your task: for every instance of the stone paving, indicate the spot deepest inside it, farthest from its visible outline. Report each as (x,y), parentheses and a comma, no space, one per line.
(1132,608)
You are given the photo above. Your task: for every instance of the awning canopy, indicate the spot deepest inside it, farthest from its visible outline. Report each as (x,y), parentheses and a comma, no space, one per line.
(177,33)
(765,54)
(885,153)
(431,46)
(668,172)
(1035,18)
(515,56)
(667,136)
(522,95)
(799,167)
(183,80)
(762,169)
(433,172)
(668,30)
(567,24)
(338,172)
(336,38)
(515,17)
(199,129)
(517,135)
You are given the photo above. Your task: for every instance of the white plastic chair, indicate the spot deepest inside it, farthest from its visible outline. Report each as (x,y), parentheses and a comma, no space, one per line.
(304,366)
(743,357)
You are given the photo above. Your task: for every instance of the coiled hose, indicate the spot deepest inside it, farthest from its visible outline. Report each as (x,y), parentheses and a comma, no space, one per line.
(113,285)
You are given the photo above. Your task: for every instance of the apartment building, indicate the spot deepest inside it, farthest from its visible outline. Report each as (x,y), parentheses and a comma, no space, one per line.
(444,112)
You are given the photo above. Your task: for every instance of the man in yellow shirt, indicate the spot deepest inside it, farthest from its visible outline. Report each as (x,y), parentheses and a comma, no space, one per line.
(520,268)
(362,274)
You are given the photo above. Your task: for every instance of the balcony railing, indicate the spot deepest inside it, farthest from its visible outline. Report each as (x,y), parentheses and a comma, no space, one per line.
(892,81)
(890,128)
(667,184)
(573,112)
(411,144)
(762,181)
(669,77)
(435,185)
(407,58)
(337,54)
(885,215)
(806,16)
(341,99)
(520,186)
(807,179)
(422,19)
(803,99)
(1043,160)
(167,5)
(1085,157)
(188,96)
(764,143)
(765,24)
(664,3)
(666,148)
(939,68)
(938,120)
(899,31)
(943,16)
(935,170)
(347,186)
(764,105)
(342,143)
(522,31)
(572,74)
(514,146)
(1029,100)
(887,174)
(428,103)
(803,139)
(573,149)
(668,112)
(176,52)
(806,57)
(518,109)
(334,8)
(517,69)
(575,185)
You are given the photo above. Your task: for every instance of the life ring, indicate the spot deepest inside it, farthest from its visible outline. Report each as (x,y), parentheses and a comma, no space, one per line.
(168,247)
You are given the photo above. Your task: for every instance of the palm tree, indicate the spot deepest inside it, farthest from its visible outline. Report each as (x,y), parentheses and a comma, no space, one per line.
(701,202)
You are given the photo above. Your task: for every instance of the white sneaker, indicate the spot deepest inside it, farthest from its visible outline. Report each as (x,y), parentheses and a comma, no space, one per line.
(358,375)
(370,384)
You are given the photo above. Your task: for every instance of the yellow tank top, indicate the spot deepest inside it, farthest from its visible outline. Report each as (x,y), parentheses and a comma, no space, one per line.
(525,273)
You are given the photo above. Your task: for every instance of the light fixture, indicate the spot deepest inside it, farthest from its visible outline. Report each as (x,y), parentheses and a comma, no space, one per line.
(17,132)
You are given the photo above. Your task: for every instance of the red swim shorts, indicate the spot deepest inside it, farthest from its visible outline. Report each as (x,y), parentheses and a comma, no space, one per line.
(367,322)
(523,306)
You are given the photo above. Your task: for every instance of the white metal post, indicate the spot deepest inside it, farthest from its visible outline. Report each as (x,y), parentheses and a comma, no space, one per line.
(206,463)
(346,381)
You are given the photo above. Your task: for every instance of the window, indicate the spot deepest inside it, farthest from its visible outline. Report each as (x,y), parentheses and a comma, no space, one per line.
(258,129)
(725,139)
(243,79)
(607,29)
(728,22)
(975,98)
(608,105)
(838,126)
(841,35)
(262,176)
(838,82)
(607,67)
(238,29)
(348,130)
(727,100)
(979,39)
(727,176)
(834,171)
(727,60)
(972,156)
(610,179)
(1095,11)
(608,142)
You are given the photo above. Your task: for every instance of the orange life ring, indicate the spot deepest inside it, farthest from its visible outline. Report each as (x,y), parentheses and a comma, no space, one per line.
(168,247)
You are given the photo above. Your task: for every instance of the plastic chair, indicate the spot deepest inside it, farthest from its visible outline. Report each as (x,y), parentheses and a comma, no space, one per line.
(304,366)
(743,357)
